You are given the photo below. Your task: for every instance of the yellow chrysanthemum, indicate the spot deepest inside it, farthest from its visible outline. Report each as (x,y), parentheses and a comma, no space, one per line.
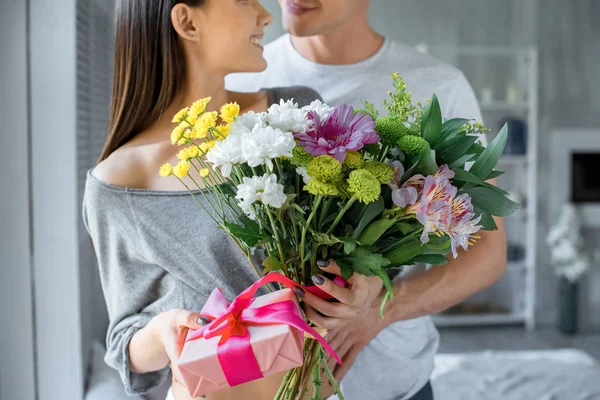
(364,186)
(208,119)
(199,107)
(191,119)
(354,160)
(229,112)
(184,154)
(181,169)
(211,143)
(199,132)
(177,134)
(203,148)
(383,172)
(204,172)
(181,115)
(193,152)
(318,188)
(166,170)
(223,131)
(325,169)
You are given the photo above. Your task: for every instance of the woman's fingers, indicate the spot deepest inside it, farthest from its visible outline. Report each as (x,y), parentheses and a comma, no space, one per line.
(188,319)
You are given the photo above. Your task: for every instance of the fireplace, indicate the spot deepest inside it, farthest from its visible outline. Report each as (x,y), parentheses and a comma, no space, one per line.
(575,172)
(585,177)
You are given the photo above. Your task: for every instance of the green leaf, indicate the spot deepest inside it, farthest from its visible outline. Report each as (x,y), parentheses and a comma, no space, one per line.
(271,263)
(461,175)
(486,162)
(460,163)
(371,211)
(492,201)
(345,267)
(427,164)
(363,261)
(452,127)
(495,188)
(384,300)
(487,221)
(433,259)
(349,245)
(437,245)
(476,149)
(407,228)
(323,239)
(374,231)
(382,274)
(411,170)
(403,254)
(494,174)
(226,188)
(250,233)
(431,127)
(454,148)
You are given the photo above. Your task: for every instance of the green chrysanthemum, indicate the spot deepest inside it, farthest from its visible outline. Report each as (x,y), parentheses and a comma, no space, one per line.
(344,190)
(319,188)
(412,145)
(383,172)
(372,149)
(325,169)
(364,186)
(391,130)
(354,160)
(300,157)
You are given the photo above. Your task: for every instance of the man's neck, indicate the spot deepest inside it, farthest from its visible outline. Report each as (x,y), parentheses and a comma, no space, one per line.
(348,44)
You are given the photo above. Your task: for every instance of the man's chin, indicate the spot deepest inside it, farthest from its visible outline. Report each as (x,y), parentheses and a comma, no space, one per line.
(301,30)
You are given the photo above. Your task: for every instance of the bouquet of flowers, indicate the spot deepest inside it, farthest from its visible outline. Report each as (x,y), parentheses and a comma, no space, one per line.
(318,182)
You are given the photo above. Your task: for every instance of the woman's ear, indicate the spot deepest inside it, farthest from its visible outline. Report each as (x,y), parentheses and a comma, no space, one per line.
(182,18)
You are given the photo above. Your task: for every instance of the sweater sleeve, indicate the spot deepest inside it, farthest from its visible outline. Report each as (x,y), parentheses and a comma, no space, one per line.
(135,289)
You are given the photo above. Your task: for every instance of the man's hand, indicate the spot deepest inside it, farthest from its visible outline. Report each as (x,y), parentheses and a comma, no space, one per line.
(354,302)
(350,340)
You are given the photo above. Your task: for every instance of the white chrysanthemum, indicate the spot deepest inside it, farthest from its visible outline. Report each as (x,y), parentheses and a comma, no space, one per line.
(288,117)
(262,145)
(302,172)
(323,110)
(247,122)
(260,188)
(226,153)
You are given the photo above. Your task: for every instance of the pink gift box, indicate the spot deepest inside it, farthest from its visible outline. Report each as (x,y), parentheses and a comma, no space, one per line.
(277,348)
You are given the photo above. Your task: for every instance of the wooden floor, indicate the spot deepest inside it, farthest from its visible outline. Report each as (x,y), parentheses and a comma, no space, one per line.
(461,340)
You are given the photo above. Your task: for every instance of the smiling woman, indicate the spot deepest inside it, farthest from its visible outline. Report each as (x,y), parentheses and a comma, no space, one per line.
(169,54)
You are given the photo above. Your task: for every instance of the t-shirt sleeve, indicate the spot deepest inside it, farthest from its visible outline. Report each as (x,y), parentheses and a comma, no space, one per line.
(134,288)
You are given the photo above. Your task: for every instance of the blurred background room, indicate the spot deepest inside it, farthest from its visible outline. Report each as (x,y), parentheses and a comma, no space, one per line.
(534,64)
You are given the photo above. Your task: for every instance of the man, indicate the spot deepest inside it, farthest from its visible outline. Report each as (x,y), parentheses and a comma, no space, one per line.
(332,48)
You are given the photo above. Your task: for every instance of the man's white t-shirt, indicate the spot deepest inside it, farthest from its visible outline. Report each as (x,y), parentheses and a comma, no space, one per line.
(399,361)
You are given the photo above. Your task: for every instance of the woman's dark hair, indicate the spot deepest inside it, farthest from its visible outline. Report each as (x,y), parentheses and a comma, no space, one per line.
(149,67)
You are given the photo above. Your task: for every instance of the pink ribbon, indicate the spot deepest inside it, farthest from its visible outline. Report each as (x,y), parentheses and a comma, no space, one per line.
(231,321)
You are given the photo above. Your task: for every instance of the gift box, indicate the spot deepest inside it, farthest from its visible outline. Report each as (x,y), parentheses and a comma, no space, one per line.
(248,339)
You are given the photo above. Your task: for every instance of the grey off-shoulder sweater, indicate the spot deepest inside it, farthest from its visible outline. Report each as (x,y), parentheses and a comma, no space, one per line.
(158,250)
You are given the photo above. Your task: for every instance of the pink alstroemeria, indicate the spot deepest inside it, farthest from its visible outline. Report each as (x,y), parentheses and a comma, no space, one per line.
(462,226)
(433,209)
(342,131)
(401,196)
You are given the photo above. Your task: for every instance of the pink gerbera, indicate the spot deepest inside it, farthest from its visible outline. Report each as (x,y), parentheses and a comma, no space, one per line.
(342,131)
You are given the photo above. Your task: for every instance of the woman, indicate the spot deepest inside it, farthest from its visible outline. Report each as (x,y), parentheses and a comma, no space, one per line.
(159,256)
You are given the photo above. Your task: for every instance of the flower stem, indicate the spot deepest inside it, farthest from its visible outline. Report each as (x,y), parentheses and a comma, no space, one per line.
(334,383)
(315,207)
(276,233)
(341,214)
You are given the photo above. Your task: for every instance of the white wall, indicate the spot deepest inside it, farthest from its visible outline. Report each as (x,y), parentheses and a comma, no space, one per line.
(16,307)
(56,211)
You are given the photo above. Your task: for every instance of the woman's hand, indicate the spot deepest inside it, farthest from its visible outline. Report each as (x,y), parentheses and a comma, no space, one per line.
(171,329)
(355,301)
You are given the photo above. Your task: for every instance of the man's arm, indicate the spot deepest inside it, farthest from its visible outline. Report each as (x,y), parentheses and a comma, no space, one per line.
(442,287)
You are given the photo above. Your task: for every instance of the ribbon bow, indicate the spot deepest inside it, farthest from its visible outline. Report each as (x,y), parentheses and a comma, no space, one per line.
(231,321)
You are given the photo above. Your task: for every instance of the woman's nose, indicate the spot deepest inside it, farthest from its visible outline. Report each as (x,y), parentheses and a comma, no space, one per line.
(264,17)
